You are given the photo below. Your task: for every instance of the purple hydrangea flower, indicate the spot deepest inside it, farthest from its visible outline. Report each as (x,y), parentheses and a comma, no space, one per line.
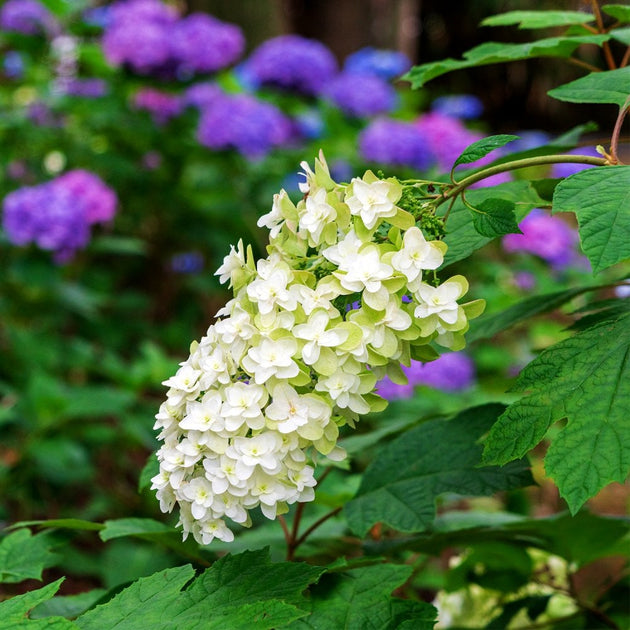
(310,124)
(98,200)
(546,236)
(395,143)
(529,139)
(139,34)
(201,95)
(57,215)
(362,95)
(244,123)
(46,215)
(86,88)
(448,137)
(161,105)
(466,106)
(568,169)
(386,64)
(451,372)
(294,63)
(201,43)
(28,17)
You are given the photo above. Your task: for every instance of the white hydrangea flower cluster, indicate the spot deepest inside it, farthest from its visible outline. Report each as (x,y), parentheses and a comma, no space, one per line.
(339,302)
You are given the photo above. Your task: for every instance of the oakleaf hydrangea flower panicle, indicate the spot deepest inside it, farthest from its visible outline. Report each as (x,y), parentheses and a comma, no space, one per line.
(389,142)
(292,62)
(244,123)
(28,17)
(546,236)
(386,64)
(362,96)
(57,215)
(296,353)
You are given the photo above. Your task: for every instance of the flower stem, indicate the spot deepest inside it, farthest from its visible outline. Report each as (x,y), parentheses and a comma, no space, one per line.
(600,27)
(516,164)
(614,141)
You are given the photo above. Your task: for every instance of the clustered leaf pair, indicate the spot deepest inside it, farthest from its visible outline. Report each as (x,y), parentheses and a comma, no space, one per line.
(339,302)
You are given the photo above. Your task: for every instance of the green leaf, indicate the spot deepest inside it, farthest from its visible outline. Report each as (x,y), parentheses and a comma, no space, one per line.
(121,527)
(586,379)
(68,606)
(495,217)
(14,611)
(361,599)
(24,556)
(620,12)
(149,470)
(496,52)
(462,238)
(538,19)
(401,485)
(481,148)
(600,198)
(243,591)
(490,324)
(67,523)
(611,86)
(621,35)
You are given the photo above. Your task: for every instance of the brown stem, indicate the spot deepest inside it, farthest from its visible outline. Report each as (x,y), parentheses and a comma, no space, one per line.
(315,525)
(583,64)
(614,140)
(625,59)
(600,25)
(285,530)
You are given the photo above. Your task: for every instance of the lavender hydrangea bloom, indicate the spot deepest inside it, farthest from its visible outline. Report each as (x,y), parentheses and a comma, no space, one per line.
(395,143)
(451,372)
(386,64)
(28,17)
(244,123)
(98,200)
(161,105)
(545,236)
(294,63)
(57,215)
(466,106)
(138,34)
(47,215)
(201,43)
(201,95)
(362,95)
(566,170)
(86,88)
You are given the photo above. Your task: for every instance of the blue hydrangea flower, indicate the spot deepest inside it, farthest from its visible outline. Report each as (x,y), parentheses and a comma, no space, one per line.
(464,106)
(244,123)
(13,64)
(529,139)
(310,124)
(28,17)
(200,43)
(386,64)
(187,262)
(395,143)
(292,62)
(362,95)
